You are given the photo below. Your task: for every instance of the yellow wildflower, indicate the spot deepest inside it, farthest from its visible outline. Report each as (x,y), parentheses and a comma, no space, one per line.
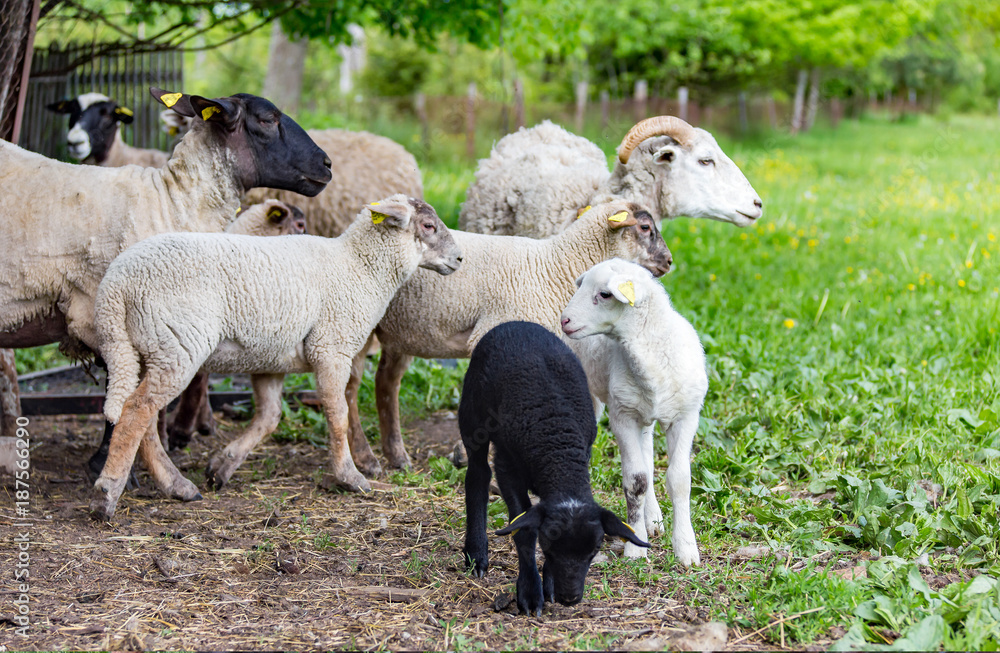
(847,240)
(911,287)
(789,323)
(961,283)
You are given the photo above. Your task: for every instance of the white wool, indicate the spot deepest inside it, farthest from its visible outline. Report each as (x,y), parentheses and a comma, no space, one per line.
(645,361)
(535,180)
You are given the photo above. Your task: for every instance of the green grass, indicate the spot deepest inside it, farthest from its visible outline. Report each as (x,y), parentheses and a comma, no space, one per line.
(853,353)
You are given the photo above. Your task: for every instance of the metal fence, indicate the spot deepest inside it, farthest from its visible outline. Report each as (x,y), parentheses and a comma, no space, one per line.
(125,78)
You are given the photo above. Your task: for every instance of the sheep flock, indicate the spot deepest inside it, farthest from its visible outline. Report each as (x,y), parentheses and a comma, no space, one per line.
(257,247)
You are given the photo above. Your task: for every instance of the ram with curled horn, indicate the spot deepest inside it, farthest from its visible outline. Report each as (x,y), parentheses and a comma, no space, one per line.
(536,180)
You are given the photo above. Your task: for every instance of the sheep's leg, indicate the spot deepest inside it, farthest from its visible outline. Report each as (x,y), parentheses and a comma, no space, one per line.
(193,413)
(167,477)
(531,591)
(477,496)
(391,368)
(138,414)
(635,477)
(653,514)
(96,462)
(267,414)
(331,384)
(680,436)
(361,451)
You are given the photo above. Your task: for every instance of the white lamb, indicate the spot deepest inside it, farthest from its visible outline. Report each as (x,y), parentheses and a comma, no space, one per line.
(502,278)
(646,363)
(536,180)
(177,303)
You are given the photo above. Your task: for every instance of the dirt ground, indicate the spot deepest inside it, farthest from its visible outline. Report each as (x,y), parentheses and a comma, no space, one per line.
(272,562)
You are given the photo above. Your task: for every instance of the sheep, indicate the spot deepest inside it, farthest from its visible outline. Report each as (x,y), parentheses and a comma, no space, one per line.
(10,402)
(368,167)
(71,221)
(503,278)
(95,133)
(643,360)
(176,303)
(536,179)
(193,412)
(526,392)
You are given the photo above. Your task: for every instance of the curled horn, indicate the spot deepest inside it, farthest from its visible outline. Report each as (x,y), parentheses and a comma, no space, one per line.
(671,126)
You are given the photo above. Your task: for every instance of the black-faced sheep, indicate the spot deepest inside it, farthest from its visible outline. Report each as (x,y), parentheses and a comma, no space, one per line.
(95,137)
(643,360)
(526,393)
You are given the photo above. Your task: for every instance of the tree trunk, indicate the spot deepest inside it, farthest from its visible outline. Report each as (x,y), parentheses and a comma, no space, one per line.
(682,101)
(772,112)
(470,122)
(812,107)
(641,96)
(518,103)
(581,105)
(799,103)
(285,63)
(606,111)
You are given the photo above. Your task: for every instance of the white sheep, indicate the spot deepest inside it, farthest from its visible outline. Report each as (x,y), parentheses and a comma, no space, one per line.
(95,136)
(368,167)
(502,278)
(536,180)
(643,360)
(177,303)
(68,222)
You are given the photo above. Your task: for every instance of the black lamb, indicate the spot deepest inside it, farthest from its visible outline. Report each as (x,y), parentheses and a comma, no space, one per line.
(526,392)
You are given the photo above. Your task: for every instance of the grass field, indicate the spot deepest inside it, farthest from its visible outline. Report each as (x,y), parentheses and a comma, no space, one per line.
(847,468)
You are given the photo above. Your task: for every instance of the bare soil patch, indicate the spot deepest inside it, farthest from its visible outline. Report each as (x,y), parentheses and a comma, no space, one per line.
(274,562)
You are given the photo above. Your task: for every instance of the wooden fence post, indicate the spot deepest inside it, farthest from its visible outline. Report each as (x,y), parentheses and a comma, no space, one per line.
(518,103)
(641,96)
(420,105)
(470,123)
(581,105)
(605,110)
(682,101)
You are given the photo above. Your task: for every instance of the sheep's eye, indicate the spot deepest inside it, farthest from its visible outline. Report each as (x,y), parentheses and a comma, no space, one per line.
(429,226)
(644,227)
(605,294)
(706,162)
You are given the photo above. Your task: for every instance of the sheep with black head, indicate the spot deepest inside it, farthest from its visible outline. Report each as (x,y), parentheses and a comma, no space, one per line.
(526,392)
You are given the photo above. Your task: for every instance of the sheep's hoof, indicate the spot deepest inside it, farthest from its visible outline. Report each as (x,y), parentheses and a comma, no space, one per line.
(184,490)
(686,552)
(102,506)
(369,466)
(220,469)
(478,563)
(352,481)
(398,459)
(633,551)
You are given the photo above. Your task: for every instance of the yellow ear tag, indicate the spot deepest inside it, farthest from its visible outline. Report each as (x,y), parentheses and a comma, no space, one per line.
(274,214)
(373,204)
(628,290)
(619,217)
(124,111)
(208,112)
(628,527)
(172,131)
(238,209)
(378,217)
(170,99)
(515,531)
(580,213)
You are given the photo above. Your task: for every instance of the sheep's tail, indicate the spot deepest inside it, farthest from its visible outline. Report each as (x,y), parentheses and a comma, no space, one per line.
(120,356)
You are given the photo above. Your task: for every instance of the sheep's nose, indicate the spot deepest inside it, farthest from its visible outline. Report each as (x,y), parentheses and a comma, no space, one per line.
(565,321)
(758,203)
(458,258)
(327,162)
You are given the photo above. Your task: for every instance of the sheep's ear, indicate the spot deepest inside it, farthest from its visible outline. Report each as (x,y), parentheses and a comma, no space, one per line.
(617,528)
(666,154)
(179,102)
(579,280)
(64,106)
(624,290)
(621,219)
(530,520)
(393,214)
(277,213)
(124,114)
(218,111)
